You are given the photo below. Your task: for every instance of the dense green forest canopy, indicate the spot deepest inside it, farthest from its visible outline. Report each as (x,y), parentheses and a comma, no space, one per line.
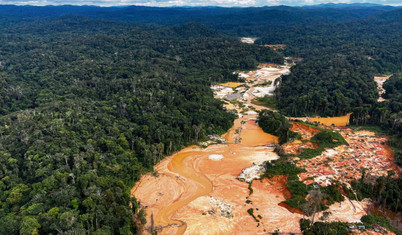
(341,44)
(329,85)
(276,124)
(87,106)
(216,17)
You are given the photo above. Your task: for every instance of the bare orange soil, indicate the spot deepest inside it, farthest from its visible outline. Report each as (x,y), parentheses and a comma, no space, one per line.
(196,191)
(306,131)
(188,180)
(279,182)
(191,189)
(295,147)
(349,210)
(226,188)
(344,163)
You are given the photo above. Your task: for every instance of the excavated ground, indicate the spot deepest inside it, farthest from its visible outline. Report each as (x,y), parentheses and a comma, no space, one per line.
(188,180)
(344,163)
(193,191)
(380,82)
(306,131)
(197,190)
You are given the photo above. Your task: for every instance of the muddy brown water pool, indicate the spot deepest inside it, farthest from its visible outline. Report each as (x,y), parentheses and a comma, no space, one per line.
(394,218)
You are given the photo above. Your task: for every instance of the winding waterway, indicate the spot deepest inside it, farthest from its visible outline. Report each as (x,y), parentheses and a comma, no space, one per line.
(245,141)
(196,190)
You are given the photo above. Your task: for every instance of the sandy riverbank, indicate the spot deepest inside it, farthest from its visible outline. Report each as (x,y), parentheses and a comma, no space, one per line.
(196,191)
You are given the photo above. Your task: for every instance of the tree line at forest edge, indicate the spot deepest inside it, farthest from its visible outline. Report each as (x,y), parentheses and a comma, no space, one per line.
(336,74)
(385,191)
(90,105)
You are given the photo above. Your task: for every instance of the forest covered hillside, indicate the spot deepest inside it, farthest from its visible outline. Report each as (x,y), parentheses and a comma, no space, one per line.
(253,21)
(91,98)
(87,106)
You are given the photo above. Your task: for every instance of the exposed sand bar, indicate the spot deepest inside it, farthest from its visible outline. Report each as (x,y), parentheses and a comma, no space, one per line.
(188,178)
(177,198)
(196,191)
(203,185)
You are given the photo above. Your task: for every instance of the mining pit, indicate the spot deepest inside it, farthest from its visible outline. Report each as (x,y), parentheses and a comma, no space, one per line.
(207,190)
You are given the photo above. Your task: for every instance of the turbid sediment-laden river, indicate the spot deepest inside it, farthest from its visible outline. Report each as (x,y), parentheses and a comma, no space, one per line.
(196,183)
(192,188)
(196,190)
